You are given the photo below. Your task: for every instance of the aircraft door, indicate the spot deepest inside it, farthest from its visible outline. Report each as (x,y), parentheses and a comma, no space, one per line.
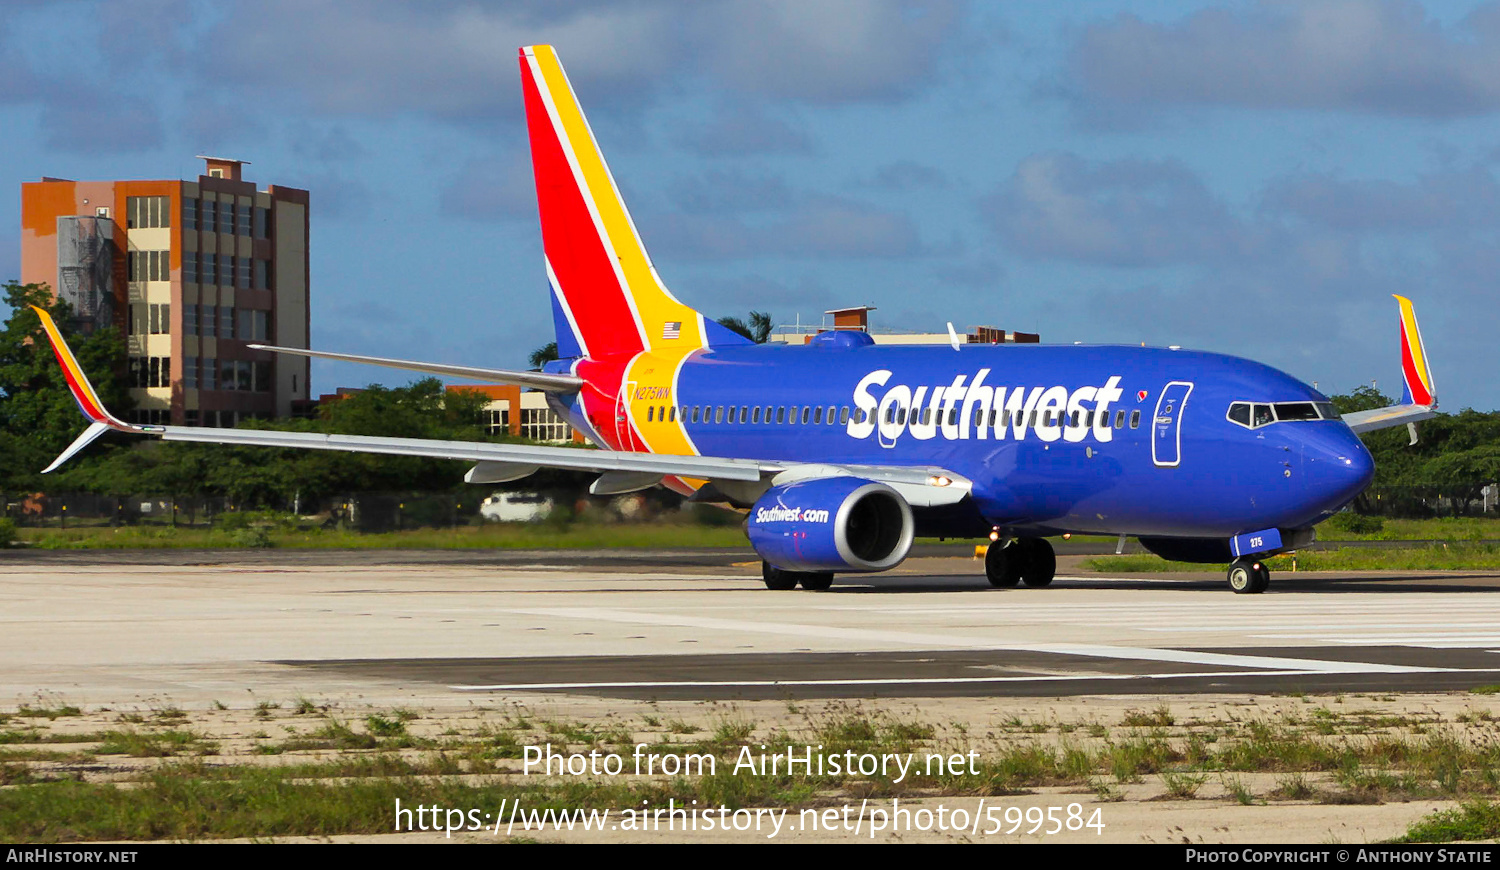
(1166,425)
(622,416)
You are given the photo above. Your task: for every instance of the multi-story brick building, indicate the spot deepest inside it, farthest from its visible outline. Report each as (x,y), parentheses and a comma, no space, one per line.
(192,272)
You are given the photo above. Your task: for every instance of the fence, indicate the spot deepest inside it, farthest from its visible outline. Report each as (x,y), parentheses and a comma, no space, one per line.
(360,511)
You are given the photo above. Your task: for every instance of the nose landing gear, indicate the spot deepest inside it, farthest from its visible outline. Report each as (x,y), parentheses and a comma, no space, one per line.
(1249,576)
(1025,560)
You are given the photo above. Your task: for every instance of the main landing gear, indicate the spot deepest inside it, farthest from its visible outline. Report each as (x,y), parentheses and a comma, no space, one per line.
(1023,560)
(1249,576)
(776,578)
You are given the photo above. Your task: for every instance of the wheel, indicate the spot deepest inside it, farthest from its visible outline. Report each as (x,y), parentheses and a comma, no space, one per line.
(776,578)
(816,581)
(1002,564)
(1040,564)
(1249,577)
(1262,576)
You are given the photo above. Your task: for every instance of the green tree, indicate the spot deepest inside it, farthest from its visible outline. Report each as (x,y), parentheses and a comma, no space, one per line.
(38,415)
(757,329)
(543,355)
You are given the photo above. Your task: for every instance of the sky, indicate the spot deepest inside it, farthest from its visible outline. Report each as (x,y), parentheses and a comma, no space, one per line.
(1254,178)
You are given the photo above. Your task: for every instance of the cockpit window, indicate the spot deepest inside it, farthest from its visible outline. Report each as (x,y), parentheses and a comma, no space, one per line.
(1296,411)
(1253,415)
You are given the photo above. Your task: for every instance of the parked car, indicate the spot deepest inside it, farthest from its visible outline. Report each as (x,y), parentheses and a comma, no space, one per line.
(516,507)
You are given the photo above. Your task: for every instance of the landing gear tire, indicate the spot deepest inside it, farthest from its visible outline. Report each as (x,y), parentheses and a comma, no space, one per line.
(816,582)
(1249,577)
(782,580)
(1002,564)
(776,578)
(1040,565)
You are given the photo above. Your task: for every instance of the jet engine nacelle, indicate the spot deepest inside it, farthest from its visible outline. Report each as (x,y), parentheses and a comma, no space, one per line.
(831,524)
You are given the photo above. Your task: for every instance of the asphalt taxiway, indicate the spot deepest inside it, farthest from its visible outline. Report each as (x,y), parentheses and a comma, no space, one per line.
(103,627)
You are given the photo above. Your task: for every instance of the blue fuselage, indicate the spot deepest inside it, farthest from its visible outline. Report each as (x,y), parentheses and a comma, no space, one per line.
(1100,439)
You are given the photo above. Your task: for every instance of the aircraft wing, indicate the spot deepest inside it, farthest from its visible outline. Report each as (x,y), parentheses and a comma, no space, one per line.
(1418,399)
(552,383)
(921,485)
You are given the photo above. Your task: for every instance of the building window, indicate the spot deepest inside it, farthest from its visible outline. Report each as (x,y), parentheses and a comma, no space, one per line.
(161,319)
(497,421)
(209,376)
(150,371)
(209,320)
(190,267)
(189,320)
(148,266)
(261,224)
(226,217)
(190,214)
(541,424)
(243,267)
(210,216)
(135,319)
(263,381)
(262,275)
(210,269)
(147,211)
(226,270)
(242,227)
(226,321)
(190,373)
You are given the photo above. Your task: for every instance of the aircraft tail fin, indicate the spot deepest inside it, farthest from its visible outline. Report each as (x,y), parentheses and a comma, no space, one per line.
(1418,389)
(606,295)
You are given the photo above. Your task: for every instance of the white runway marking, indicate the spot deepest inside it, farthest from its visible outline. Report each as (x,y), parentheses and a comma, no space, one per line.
(899,681)
(920,640)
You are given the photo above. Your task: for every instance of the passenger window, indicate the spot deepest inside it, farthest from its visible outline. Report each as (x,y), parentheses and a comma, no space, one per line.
(844,416)
(1119,419)
(695,412)
(992,418)
(719,414)
(901,417)
(731,413)
(649,412)
(805,412)
(768,413)
(744,414)
(1262,416)
(832,409)
(661,413)
(953,416)
(1239,412)
(672,414)
(818,415)
(1135,419)
(755,417)
(781,413)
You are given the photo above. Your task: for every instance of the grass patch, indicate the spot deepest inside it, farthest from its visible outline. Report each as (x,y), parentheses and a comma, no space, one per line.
(1471,820)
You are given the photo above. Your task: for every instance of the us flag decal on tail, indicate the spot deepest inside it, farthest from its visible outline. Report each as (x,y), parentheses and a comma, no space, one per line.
(673,330)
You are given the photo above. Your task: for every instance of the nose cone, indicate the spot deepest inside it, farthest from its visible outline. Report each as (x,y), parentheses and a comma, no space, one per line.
(1336,467)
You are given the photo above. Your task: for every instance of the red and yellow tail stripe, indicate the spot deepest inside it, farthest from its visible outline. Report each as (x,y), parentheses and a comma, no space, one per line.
(78,382)
(1414,367)
(603,271)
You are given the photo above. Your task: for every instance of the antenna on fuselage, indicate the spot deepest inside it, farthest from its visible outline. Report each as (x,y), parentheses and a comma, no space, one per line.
(952,335)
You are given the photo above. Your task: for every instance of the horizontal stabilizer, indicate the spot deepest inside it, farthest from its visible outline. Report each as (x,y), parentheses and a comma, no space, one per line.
(1419,398)
(552,383)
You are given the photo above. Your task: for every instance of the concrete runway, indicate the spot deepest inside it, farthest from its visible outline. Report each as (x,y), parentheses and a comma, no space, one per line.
(459,626)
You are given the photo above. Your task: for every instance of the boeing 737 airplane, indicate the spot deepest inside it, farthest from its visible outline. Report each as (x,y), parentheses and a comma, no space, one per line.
(842,451)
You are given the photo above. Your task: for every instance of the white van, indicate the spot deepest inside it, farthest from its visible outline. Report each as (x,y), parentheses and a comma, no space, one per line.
(516,507)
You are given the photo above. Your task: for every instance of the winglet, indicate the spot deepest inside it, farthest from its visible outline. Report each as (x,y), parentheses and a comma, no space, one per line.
(1418,389)
(78,382)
